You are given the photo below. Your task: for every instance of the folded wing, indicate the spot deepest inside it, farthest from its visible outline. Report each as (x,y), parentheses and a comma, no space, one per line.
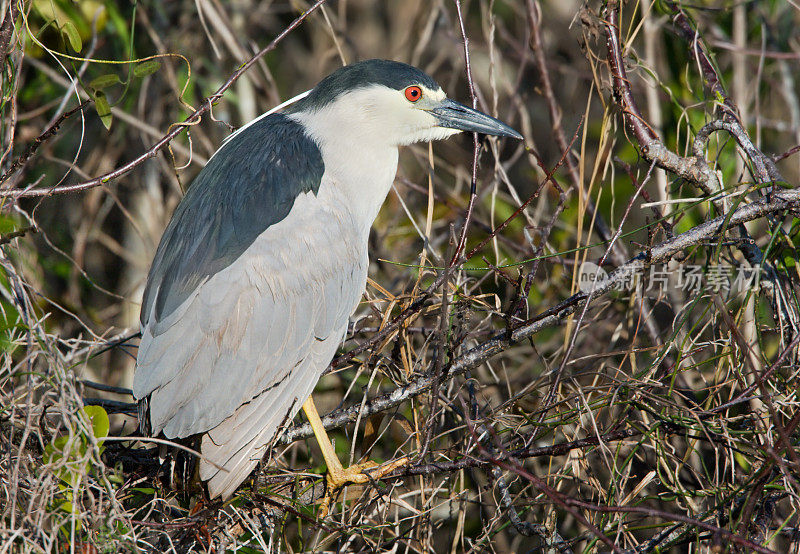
(247,300)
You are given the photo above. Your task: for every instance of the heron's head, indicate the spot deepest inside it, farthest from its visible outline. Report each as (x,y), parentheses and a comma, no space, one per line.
(383,101)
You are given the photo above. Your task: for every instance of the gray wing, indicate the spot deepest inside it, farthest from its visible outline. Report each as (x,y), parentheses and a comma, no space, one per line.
(243,331)
(241,310)
(246,349)
(250,184)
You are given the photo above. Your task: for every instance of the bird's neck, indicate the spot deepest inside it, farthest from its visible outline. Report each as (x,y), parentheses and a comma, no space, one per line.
(359,170)
(363,176)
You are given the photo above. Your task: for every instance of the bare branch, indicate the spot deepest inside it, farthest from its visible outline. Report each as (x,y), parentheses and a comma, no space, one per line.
(777,203)
(193,119)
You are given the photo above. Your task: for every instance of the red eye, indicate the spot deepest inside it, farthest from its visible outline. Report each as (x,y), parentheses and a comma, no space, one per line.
(413,94)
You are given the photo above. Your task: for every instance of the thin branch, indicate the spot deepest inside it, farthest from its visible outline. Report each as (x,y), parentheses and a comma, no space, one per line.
(775,204)
(20,160)
(193,119)
(649,512)
(693,169)
(476,152)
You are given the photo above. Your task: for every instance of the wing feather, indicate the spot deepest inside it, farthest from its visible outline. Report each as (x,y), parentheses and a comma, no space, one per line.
(253,340)
(232,201)
(247,300)
(239,442)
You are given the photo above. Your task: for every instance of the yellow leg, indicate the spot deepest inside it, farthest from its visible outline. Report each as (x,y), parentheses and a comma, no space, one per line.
(338,476)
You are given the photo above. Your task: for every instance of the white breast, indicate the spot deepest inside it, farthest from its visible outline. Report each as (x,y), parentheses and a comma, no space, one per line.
(358,172)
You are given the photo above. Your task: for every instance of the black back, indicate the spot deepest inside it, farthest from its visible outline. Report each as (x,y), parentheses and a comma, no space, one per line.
(250,184)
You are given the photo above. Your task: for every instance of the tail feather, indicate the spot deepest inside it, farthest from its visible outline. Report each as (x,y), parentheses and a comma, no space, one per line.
(233,448)
(239,442)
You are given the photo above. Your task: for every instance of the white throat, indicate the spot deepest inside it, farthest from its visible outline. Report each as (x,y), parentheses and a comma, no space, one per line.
(361,171)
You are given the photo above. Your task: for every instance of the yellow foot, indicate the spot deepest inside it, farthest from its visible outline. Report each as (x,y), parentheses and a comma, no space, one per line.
(357,474)
(337,475)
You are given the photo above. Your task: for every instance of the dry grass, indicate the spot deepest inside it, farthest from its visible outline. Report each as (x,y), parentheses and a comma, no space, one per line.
(657,417)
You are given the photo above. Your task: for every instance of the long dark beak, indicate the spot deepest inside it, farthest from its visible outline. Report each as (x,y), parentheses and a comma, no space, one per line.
(453,115)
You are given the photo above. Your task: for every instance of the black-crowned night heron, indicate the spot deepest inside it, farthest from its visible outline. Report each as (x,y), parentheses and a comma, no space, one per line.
(265,259)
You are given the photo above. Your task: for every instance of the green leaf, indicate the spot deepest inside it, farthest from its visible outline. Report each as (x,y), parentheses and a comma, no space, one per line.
(68,507)
(50,454)
(146,68)
(105,81)
(71,474)
(103,108)
(99,419)
(742,462)
(72,35)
